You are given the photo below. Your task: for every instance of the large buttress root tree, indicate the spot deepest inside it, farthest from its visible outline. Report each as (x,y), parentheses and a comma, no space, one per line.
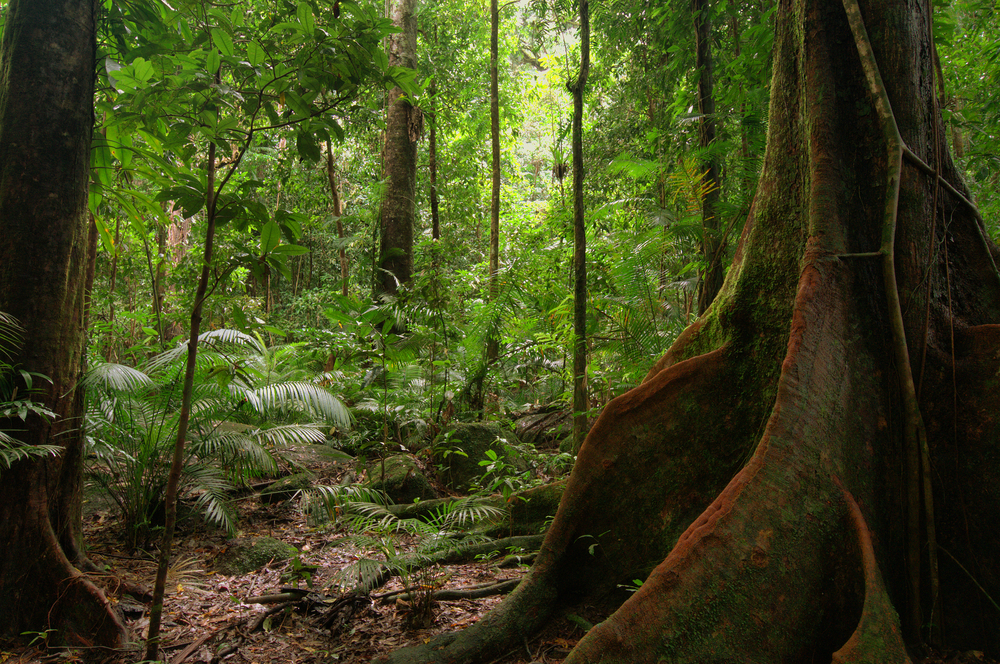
(46,248)
(809,473)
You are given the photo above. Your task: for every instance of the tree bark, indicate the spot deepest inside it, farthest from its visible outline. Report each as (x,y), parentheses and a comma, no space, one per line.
(404,125)
(711,242)
(492,343)
(759,475)
(46,120)
(581,400)
(432,160)
(338,212)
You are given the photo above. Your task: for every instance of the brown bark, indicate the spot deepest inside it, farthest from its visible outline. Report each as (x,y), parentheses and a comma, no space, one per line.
(581,400)
(338,212)
(432,161)
(492,343)
(46,118)
(711,243)
(759,474)
(403,128)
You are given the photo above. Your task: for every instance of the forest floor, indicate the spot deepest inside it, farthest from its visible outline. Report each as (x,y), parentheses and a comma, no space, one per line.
(212,618)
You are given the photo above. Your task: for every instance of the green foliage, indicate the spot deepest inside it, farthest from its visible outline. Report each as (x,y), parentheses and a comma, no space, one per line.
(16,388)
(379,531)
(247,405)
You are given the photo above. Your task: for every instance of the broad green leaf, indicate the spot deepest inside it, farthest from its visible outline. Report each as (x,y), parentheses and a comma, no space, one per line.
(307,146)
(291,249)
(222,41)
(101,161)
(305,15)
(255,53)
(270,237)
(212,61)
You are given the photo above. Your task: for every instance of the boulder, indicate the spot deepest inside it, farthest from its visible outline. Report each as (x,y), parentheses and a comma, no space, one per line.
(545,428)
(245,555)
(403,480)
(287,487)
(458,451)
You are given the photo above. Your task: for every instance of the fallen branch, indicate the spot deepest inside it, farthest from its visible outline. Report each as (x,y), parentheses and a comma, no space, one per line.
(286,595)
(450,594)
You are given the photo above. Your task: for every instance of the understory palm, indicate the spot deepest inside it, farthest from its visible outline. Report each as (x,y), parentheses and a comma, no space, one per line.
(246,407)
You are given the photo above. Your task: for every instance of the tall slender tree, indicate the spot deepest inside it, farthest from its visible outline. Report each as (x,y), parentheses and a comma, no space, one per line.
(404,125)
(46,246)
(492,343)
(581,402)
(711,243)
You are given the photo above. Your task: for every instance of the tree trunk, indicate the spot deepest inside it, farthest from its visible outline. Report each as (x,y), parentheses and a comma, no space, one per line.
(581,401)
(46,118)
(338,212)
(404,125)
(759,475)
(492,343)
(711,242)
(432,160)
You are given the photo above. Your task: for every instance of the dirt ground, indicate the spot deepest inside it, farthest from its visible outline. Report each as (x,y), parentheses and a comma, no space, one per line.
(211,618)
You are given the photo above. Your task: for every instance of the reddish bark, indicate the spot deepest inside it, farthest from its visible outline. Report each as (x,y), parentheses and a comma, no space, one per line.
(758,475)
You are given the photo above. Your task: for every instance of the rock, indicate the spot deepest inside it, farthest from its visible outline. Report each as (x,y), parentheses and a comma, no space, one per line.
(458,452)
(403,481)
(545,428)
(287,487)
(243,556)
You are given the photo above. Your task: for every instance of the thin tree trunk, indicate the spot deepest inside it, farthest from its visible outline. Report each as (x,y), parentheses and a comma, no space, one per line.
(432,160)
(177,463)
(492,343)
(338,212)
(581,402)
(714,271)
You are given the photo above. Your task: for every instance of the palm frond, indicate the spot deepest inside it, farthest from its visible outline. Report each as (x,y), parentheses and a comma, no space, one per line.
(109,376)
(212,489)
(313,399)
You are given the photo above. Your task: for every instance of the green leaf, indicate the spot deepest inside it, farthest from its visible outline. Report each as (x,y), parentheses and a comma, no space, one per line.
(270,237)
(222,41)
(307,146)
(255,53)
(291,249)
(101,161)
(305,15)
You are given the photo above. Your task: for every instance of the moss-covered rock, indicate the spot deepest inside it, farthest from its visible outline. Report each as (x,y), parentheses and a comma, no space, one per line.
(243,556)
(403,481)
(458,452)
(287,487)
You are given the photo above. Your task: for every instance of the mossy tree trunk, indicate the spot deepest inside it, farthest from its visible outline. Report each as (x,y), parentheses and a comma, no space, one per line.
(46,246)
(759,478)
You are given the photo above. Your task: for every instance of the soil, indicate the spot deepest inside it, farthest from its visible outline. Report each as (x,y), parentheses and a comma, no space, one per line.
(212,618)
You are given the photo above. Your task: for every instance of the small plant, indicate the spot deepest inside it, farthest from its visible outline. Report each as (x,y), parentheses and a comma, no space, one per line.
(298,572)
(632,586)
(502,476)
(38,638)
